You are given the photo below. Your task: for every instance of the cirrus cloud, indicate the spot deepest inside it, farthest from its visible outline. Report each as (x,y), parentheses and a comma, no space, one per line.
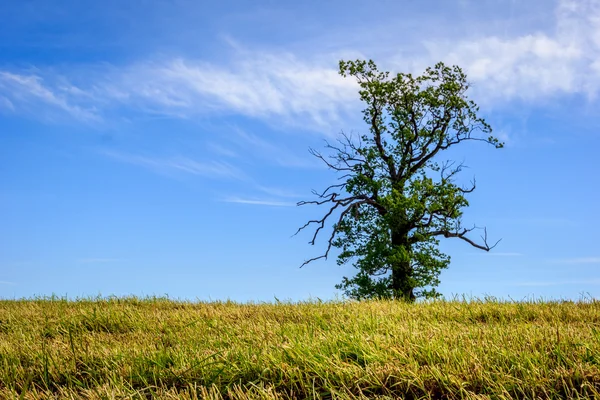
(284,87)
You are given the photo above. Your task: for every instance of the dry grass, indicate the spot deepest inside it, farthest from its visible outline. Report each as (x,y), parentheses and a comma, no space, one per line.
(158,348)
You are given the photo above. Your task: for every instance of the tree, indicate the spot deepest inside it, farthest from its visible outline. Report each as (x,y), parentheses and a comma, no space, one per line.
(396,200)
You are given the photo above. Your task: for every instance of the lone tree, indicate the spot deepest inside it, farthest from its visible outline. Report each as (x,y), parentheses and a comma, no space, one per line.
(396,199)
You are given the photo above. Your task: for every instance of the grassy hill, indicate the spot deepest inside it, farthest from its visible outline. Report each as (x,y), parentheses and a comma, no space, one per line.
(158,348)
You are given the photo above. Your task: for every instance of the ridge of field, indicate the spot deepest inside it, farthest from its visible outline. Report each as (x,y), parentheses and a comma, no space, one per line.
(108,348)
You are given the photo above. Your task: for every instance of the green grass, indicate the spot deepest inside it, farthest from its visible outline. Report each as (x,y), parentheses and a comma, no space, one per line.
(158,348)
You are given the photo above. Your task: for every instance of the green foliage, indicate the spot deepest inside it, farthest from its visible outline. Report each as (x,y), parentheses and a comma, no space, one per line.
(400,199)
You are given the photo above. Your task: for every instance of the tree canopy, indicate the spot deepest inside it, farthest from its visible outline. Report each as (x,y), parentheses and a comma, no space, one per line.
(396,198)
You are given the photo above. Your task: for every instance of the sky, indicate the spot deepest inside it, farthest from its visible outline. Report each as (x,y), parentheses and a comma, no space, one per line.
(159,148)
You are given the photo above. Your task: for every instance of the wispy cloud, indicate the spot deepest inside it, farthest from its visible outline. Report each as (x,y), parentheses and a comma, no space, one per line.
(6,104)
(275,86)
(258,202)
(8,283)
(180,164)
(277,197)
(29,92)
(269,85)
(278,192)
(282,87)
(221,150)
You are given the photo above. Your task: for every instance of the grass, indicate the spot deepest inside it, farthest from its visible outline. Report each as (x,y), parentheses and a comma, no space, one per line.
(158,348)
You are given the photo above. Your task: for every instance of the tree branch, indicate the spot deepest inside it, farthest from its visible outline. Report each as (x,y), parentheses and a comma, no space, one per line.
(377,136)
(321,222)
(461,235)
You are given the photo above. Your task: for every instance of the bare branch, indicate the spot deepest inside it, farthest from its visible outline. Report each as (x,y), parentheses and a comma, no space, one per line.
(473,183)
(336,167)
(422,160)
(321,223)
(330,187)
(461,235)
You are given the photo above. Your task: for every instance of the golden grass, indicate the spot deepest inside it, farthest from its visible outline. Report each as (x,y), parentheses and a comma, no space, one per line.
(159,348)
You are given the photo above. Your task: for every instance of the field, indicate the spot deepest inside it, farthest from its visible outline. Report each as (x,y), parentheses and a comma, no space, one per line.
(158,348)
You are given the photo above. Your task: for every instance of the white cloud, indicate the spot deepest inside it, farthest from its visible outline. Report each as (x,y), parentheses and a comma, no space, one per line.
(280,87)
(264,85)
(270,85)
(525,67)
(8,283)
(275,197)
(29,91)
(259,202)
(277,191)
(180,164)
(534,65)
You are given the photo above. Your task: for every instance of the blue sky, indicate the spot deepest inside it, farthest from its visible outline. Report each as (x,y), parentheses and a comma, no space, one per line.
(159,147)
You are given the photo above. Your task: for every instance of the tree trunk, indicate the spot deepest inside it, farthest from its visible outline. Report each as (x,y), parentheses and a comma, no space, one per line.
(402,270)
